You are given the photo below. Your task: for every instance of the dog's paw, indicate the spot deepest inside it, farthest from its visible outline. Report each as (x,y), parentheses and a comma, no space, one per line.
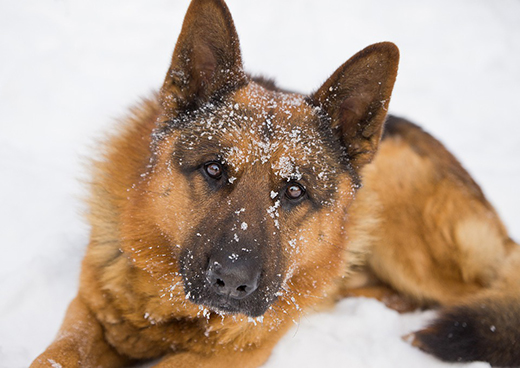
(48,361)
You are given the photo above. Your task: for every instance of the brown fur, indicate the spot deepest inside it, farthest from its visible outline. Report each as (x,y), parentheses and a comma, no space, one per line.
(448,241)
(419,225)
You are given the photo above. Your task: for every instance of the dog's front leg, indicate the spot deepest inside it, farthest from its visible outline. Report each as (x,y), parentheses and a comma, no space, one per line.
(223,359)
(80,343)
(227,355)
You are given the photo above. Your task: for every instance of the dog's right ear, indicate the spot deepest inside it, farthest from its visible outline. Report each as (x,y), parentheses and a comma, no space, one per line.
(206,61)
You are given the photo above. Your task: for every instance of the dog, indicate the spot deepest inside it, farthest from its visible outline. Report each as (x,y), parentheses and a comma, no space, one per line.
(226,208)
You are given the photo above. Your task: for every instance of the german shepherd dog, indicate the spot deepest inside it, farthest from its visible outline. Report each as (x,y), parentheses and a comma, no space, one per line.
(226,208)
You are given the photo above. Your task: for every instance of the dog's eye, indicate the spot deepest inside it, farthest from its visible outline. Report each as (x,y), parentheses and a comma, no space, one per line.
(214,170)
(294,191)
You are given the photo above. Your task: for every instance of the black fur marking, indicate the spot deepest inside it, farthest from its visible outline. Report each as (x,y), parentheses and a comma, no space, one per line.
(396,126)
(486,331)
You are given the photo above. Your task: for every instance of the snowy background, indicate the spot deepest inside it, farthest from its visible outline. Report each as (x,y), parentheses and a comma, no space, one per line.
(68,68)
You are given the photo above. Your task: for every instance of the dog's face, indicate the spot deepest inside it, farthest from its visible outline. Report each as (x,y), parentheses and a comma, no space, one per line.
(250,187)
(258,171)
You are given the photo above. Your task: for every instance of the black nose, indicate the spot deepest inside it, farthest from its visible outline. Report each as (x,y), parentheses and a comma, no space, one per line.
(233,276)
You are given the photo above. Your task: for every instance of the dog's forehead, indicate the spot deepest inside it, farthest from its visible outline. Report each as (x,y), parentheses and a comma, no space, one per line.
(272,127)
(265,102)
(280,132)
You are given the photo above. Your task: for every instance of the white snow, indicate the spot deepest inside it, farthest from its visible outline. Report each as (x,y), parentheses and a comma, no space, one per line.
(54,364)
(68,68)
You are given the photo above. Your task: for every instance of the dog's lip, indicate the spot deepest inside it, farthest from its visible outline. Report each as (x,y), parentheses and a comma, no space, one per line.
(228,307)
(219,304)
(223,305)
(225,302)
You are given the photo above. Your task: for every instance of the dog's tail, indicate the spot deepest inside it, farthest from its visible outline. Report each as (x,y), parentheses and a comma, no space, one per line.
(485,328)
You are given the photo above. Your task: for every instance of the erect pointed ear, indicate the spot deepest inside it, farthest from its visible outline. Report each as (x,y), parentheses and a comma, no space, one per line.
(206,60)
(356,98)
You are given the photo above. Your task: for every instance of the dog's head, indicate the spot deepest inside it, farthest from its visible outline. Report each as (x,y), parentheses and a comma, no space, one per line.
(250,186)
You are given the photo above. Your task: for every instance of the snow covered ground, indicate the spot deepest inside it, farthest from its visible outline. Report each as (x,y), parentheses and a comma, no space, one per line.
(69,68)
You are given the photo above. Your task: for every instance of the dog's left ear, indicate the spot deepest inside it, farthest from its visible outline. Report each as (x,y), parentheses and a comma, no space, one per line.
(206,61)
(356,99)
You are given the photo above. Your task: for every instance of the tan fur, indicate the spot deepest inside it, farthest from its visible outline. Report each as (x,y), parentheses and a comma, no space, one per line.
(419,225)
